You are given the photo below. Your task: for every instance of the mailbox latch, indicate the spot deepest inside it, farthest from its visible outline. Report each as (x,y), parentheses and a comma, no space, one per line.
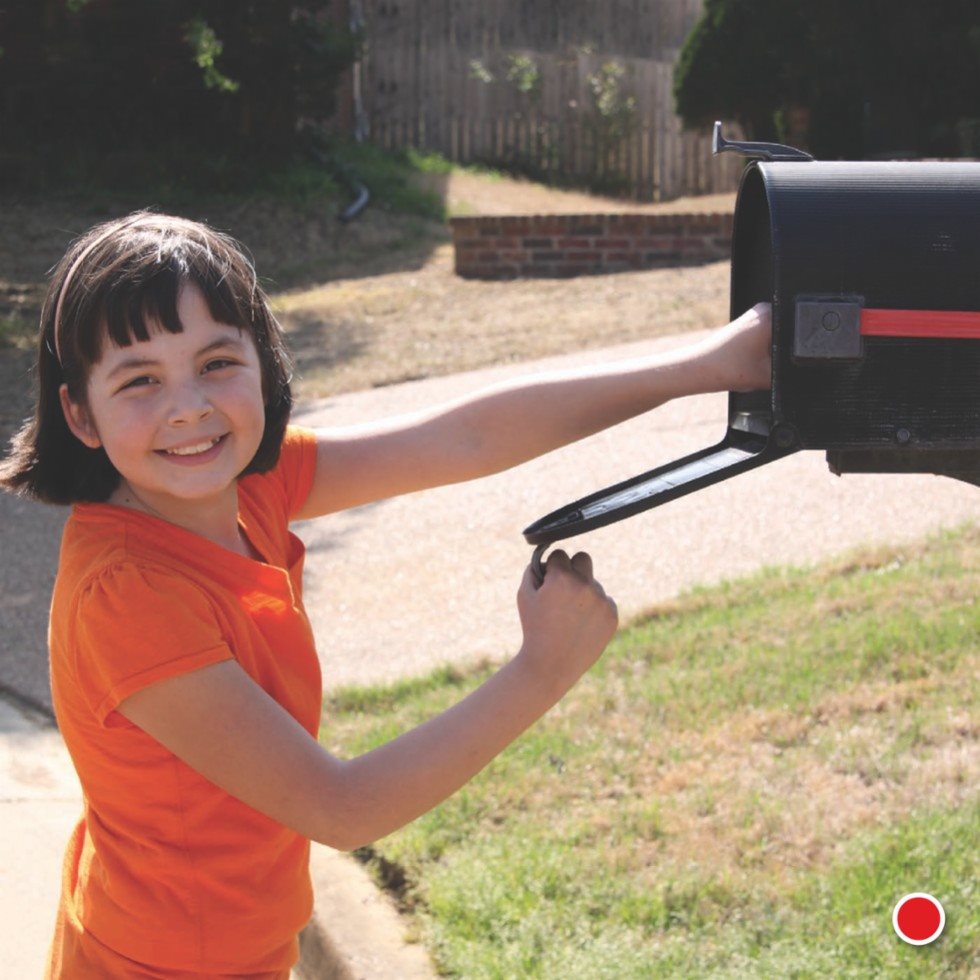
(828,329)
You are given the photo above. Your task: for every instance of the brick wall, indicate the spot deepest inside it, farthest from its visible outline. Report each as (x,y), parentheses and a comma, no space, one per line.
(567,245)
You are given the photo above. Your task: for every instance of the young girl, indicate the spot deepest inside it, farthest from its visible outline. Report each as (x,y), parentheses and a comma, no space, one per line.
(183,668)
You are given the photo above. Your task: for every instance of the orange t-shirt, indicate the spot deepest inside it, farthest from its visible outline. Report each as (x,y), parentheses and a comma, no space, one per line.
(165,874)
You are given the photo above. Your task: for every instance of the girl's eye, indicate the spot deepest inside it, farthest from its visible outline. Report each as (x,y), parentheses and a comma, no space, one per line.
(217,363)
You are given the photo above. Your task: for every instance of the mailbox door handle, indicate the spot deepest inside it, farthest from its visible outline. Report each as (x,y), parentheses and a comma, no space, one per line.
(944,324)
(833,328)
(737,453)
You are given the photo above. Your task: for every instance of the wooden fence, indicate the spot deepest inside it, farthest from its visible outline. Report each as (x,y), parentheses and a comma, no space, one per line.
(513,83)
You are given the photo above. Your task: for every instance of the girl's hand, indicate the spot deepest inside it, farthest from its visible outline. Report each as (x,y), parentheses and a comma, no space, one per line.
(567,621)
(744,350)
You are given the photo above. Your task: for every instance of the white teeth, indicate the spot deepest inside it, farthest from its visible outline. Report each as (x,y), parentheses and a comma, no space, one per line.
(193,450)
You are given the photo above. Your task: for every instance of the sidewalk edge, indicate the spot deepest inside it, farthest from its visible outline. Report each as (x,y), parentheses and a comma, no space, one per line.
(355,933)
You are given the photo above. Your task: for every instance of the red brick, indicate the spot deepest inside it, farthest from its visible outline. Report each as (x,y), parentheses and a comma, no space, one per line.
(541,226)
(664,223)
(665,242)
(464,228)
(587,225)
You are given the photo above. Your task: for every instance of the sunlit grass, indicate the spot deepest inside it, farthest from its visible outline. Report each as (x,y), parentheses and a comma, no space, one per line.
(744,786)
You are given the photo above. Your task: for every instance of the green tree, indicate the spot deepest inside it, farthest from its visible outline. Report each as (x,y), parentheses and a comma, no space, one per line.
(232,78)
(846,78)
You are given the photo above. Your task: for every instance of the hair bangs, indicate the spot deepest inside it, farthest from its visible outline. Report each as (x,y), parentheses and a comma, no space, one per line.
(146,300)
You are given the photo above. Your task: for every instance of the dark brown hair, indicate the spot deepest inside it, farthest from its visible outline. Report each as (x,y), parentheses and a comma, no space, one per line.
(110,283)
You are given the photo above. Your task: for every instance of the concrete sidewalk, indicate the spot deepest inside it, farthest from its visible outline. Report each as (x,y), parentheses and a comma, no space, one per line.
(40,802)
(398,587)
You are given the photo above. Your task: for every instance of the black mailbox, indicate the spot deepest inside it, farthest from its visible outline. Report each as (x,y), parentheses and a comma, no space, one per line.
(873,272)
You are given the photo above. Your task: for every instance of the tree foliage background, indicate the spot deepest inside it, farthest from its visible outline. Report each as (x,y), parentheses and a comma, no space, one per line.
(233,82)
(850,78)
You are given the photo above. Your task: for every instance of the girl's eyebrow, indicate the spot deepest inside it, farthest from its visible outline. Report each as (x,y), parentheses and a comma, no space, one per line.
(141,362)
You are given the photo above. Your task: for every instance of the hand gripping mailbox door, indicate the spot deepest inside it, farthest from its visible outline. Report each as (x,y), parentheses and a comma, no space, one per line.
(873,273)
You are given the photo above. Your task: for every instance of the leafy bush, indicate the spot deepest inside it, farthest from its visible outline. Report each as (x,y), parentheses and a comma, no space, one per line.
(846,78)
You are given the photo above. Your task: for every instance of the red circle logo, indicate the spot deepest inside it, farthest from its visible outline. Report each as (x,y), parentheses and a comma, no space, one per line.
(918,918)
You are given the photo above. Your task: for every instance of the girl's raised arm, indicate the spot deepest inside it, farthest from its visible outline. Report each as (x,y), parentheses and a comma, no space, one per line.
(516,421)
(224,726)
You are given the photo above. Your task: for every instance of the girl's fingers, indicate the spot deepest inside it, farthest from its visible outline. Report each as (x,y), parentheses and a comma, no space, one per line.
(582,563)
(559,557)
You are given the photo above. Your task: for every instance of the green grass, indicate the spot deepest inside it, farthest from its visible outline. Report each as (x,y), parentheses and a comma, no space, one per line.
(179,177)
(743,787)
(390,176)
(17,330)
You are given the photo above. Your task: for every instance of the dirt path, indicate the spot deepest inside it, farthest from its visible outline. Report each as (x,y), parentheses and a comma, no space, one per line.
(467,193)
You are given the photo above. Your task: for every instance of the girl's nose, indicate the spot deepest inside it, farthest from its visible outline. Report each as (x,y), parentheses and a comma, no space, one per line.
(190,404)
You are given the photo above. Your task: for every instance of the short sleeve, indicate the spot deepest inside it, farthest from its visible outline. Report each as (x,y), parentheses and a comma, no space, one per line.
(136,625)
(297,466)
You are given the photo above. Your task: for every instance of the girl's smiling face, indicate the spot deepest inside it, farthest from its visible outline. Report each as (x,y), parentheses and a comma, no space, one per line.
(176,391)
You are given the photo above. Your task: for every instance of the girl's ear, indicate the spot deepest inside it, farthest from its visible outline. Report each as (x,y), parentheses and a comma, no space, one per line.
(78,420)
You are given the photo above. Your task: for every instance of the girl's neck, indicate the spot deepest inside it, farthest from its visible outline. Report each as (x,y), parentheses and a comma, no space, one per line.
(217,522)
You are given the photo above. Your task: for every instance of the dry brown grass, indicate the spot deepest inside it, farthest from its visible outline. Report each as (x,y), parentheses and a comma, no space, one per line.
(351,334)
(775,791)
(376,302)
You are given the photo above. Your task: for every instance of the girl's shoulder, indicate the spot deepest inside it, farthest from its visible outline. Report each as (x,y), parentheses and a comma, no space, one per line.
(115,551)
(290,480)
(121,585)
(126,624)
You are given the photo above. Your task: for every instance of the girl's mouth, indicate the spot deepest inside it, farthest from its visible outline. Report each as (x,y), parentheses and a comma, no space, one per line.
(186,458)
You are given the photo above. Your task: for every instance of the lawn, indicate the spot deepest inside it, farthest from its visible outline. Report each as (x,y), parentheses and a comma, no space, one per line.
(745,785)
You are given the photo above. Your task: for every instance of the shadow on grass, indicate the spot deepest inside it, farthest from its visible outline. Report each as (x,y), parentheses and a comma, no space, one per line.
(317,344)
(294,235)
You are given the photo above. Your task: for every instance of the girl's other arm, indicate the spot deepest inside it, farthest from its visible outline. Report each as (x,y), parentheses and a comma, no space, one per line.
(223,725)
(516,421)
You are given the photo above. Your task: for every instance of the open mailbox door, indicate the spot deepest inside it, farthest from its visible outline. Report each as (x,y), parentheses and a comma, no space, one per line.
(873,273)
